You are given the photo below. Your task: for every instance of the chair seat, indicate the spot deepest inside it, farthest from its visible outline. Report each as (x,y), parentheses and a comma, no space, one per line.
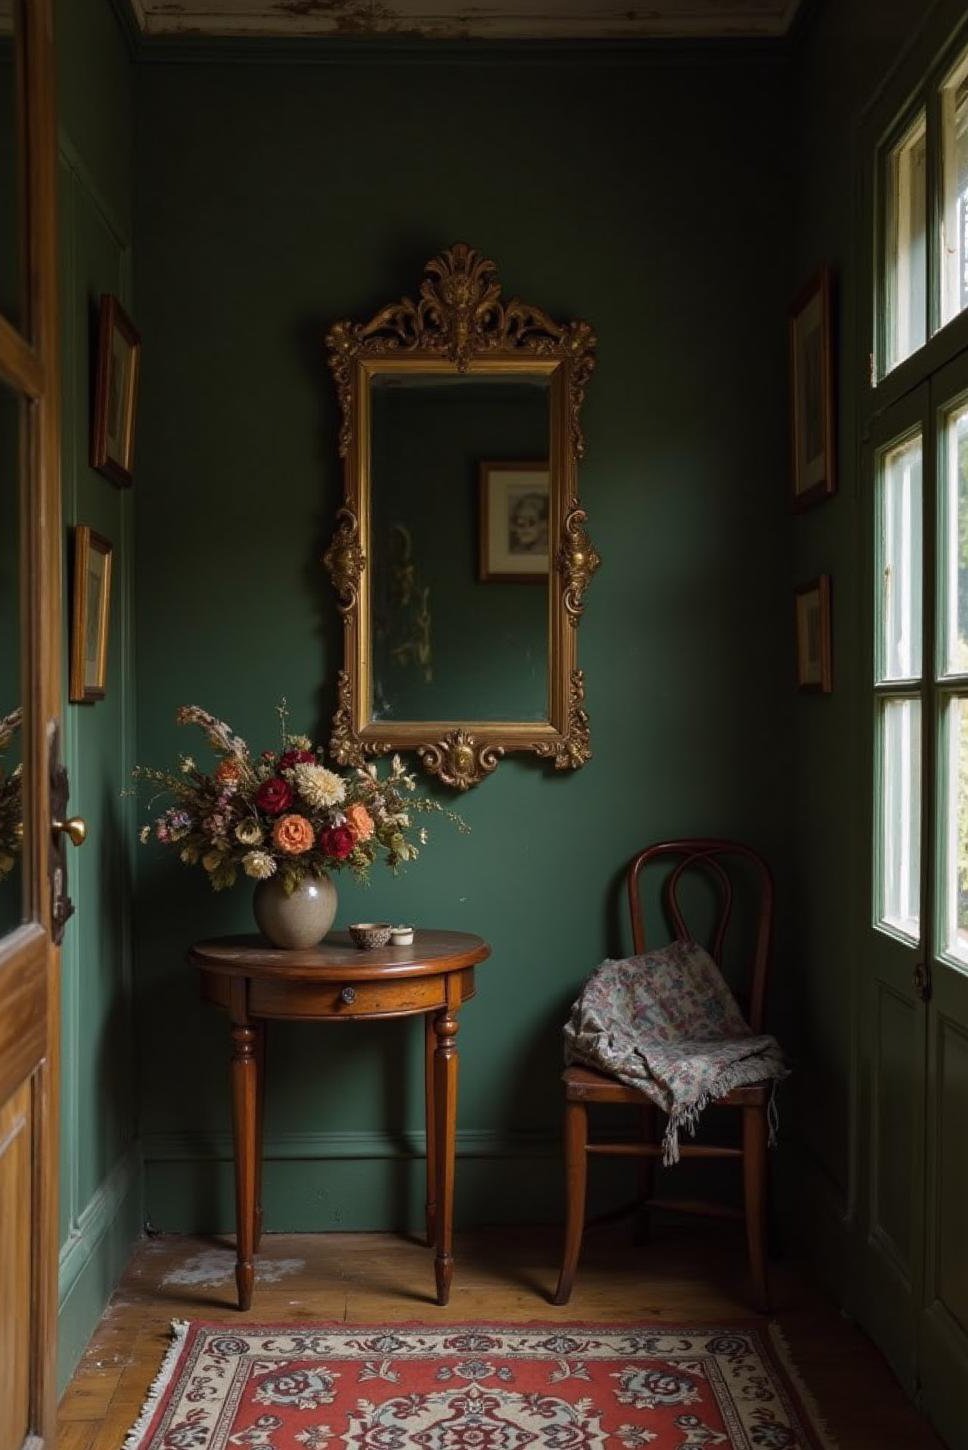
(584,1084)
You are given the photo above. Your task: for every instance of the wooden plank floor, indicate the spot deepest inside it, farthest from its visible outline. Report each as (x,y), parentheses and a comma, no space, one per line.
(684,1275)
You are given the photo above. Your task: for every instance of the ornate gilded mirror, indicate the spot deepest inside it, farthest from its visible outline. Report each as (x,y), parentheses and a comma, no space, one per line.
(460,556)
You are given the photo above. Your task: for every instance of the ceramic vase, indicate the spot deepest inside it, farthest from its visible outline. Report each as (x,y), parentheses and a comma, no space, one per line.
(297,921)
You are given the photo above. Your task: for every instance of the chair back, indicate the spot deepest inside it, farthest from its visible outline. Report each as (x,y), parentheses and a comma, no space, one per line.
(718,861)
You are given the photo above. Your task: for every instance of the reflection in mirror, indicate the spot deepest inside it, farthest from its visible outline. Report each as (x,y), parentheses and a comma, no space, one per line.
(11,258)
(11,809)
(459,539)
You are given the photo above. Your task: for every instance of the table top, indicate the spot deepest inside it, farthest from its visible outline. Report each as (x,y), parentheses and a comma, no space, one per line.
(432,953)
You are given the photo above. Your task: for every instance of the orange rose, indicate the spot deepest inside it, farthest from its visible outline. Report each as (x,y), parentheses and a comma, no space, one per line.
(360,822)
(228,771)
(293,835)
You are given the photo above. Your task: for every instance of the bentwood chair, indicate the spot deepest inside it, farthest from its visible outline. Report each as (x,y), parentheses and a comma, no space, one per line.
(721,862)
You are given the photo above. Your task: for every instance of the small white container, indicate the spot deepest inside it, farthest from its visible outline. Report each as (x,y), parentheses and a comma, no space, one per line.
(401,936)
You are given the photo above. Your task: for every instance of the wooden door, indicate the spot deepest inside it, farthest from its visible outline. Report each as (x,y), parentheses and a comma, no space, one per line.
(30,622)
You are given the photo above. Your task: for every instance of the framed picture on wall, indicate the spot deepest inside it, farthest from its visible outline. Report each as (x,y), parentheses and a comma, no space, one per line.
(813,636)
(115,393)
(812,392)
(90,615)
(514,503)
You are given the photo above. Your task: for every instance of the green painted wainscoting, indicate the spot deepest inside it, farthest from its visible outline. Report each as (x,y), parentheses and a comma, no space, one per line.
(100,1198)
(645,191)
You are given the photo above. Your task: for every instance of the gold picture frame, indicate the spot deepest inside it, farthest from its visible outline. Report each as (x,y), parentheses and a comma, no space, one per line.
(115,393)
(812,404)
(90,616)
(814,642)
(514,546)
(461,325)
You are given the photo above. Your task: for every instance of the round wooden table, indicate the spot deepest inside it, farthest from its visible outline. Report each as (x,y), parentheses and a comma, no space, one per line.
(335,982)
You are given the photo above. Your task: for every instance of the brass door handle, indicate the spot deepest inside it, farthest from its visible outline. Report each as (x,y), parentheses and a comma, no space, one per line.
(75,827)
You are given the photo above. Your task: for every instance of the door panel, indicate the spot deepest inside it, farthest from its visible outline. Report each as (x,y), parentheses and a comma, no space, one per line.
(15,1238)
(950,1105)
(897,1072)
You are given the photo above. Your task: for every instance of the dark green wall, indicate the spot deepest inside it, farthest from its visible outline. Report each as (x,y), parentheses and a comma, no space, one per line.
(649,197)
(100,1164)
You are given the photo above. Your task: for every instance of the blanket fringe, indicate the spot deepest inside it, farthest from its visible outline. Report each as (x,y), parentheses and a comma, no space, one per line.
(688,1117)
(784,1354)
(179,1328)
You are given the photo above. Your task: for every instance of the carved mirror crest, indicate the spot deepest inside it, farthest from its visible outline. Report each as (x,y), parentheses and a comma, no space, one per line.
(460,557)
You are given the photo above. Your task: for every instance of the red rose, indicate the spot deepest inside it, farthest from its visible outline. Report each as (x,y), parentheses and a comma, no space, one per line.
(274,796)
(296,757)
(337,842)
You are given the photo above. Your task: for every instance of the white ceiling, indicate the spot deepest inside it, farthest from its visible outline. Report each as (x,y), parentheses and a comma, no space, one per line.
(478,19)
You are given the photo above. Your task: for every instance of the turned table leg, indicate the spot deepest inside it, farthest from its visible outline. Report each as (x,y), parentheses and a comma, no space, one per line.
(260,1103)
(430,1122)
(445,1107)
(245,1091)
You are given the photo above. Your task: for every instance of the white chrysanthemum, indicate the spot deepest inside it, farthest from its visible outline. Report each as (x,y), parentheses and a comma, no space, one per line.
(186,764)
(258,864)
(249,833)
(319,786)
(299,742)
(144,834)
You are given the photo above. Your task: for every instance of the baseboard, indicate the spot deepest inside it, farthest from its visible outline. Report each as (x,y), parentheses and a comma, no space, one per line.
(93,1258)
(366,1181)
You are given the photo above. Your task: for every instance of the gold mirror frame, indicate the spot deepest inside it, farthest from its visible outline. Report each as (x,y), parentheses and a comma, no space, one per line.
(459,324)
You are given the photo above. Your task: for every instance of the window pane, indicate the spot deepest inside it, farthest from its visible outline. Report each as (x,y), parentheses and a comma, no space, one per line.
(955,547)
(955,827)
(906,219)
(899,816)
(898,600)
(954,201)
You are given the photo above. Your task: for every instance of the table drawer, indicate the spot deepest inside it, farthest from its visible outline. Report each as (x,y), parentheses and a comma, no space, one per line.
(350,999)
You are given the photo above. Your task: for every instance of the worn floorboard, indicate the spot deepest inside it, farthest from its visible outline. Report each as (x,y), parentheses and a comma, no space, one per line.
(684,1275)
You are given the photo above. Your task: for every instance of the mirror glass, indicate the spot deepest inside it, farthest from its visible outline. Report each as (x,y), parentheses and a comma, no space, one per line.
(459,546)
(11,735)
(11,256)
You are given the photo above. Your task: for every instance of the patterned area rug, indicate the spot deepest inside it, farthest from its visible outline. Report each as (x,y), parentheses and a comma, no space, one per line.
(476,1387)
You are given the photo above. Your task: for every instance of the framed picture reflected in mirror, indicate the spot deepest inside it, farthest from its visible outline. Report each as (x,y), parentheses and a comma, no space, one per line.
(514,514)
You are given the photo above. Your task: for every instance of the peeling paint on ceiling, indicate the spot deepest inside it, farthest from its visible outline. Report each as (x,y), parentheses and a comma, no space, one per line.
(452,20)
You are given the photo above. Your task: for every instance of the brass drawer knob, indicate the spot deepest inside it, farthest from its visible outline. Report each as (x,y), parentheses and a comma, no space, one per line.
(348,995)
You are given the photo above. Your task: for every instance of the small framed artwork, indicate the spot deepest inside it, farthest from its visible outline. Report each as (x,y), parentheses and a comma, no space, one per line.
(91,615)
(115,393)
(814,639)
(812,393)
(514,504)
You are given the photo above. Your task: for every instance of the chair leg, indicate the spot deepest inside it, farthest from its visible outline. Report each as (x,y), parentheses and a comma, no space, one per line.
(754,1193)
(576,1175)
(643,1216)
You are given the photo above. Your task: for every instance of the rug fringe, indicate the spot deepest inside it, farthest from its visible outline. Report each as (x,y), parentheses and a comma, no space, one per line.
(784,1353)
(179,1328)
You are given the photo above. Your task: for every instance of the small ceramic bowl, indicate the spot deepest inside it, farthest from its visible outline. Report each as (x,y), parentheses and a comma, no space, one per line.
(369,935)
(401,936)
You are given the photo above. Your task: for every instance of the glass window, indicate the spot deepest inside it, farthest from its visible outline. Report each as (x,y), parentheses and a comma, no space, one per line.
(899,562)
(955,814)
(906,221)
(899,816)
(954,484)
(954,197)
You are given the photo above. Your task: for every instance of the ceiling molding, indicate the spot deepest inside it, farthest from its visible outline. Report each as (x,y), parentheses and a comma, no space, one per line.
(449,21)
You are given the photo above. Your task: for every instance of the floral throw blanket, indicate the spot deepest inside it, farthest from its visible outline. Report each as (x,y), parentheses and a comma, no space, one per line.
(667,1024)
